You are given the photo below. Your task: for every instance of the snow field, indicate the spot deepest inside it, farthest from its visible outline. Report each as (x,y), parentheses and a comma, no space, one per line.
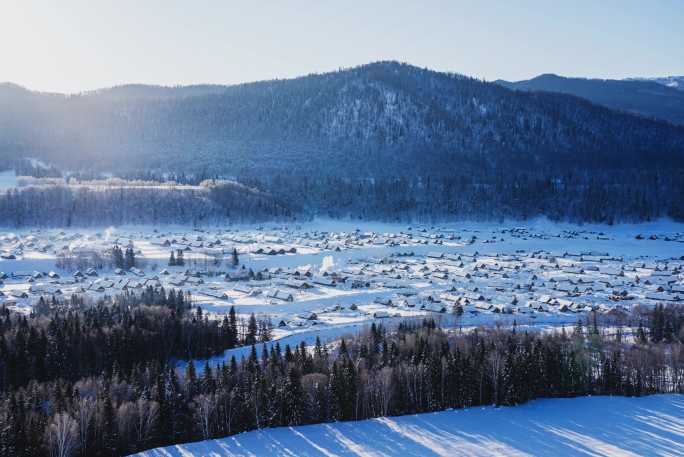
(584,426)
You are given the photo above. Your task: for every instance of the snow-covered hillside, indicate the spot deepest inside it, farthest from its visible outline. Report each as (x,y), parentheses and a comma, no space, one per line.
(675,82)
(610,426)
(7,179)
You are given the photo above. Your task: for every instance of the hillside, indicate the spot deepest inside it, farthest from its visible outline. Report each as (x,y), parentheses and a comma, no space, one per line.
(676,82)
(383,140)
(415,116)
(658,99)
(569,427)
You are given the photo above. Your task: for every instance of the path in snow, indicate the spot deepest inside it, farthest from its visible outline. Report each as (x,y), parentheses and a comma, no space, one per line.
(587,426)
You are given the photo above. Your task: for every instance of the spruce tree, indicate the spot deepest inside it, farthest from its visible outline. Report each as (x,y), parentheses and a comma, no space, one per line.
(657,324)
(232,328)
(129,260)
(252,329)
(109,429)
(294,396)
(117,257)
(641,334)
(191,379)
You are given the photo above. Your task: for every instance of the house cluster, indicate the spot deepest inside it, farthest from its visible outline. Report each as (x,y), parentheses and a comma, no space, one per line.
(415,270)
(525,282)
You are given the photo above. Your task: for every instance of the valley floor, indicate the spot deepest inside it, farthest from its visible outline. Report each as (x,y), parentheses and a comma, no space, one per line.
(586,426)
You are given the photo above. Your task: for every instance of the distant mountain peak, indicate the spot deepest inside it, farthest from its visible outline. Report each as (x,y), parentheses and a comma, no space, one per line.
(550,75)
(10,86)
(661,98)
(674,82)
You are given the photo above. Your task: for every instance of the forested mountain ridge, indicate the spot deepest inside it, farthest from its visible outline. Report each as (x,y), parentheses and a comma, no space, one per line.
(383,140)
(656,98)
(676,82)
(384,108)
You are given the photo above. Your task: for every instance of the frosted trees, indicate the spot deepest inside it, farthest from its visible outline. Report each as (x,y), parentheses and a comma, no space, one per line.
(146,415)
(62,435)
(129,258)
(205,407)
(229,407)
(383,388)
(84,416)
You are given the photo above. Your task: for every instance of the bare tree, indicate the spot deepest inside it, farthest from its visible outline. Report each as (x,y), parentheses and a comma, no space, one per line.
(229,406)
(62,435)
(147,413)
(84,416)
(384,389)
(126,420)
(206,404)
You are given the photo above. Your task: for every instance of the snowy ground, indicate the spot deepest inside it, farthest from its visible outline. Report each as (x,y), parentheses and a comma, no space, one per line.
(587,426)
(327,278)
(330,278)
(8,180)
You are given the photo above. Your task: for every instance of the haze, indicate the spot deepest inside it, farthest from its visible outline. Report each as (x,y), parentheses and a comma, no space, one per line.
(77,45)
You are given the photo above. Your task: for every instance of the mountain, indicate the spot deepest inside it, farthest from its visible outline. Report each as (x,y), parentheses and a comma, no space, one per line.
(148,92)
(647,98)
(675,82)
(327,140)
(375,112)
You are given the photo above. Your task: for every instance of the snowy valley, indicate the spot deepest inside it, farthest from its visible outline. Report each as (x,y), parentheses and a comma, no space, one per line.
(263,229)
(317,277)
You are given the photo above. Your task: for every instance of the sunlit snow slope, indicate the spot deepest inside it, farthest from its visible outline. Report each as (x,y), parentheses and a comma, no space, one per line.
(611,426)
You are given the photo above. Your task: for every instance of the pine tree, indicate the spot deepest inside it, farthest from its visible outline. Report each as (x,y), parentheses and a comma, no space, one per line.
(117,257)
(579,329)
(208,381)
(8,430)
(109,430)
(172,260)
(294,396)
(252,329)
(264,330)
(232,328)
(594,323)
(657,324)
(234,258)
(129,260)
(641,334)
(191,379)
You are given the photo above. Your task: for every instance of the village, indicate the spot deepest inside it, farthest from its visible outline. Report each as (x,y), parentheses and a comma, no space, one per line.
(309,277)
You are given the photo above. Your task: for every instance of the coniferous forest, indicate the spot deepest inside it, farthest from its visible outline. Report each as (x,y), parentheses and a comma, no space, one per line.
(123,394)
(385,141)
(605,197)
(82,206)
(346,229)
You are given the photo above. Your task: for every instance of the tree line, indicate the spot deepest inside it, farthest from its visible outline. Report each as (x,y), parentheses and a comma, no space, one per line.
(139,402)
(67,206)
(471,191)
(69,339)
(480,191)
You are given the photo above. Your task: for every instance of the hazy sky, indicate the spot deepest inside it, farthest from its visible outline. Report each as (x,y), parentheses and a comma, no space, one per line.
(74,45)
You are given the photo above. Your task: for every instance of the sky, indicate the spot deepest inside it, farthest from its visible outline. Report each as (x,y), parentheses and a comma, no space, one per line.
(76,45)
